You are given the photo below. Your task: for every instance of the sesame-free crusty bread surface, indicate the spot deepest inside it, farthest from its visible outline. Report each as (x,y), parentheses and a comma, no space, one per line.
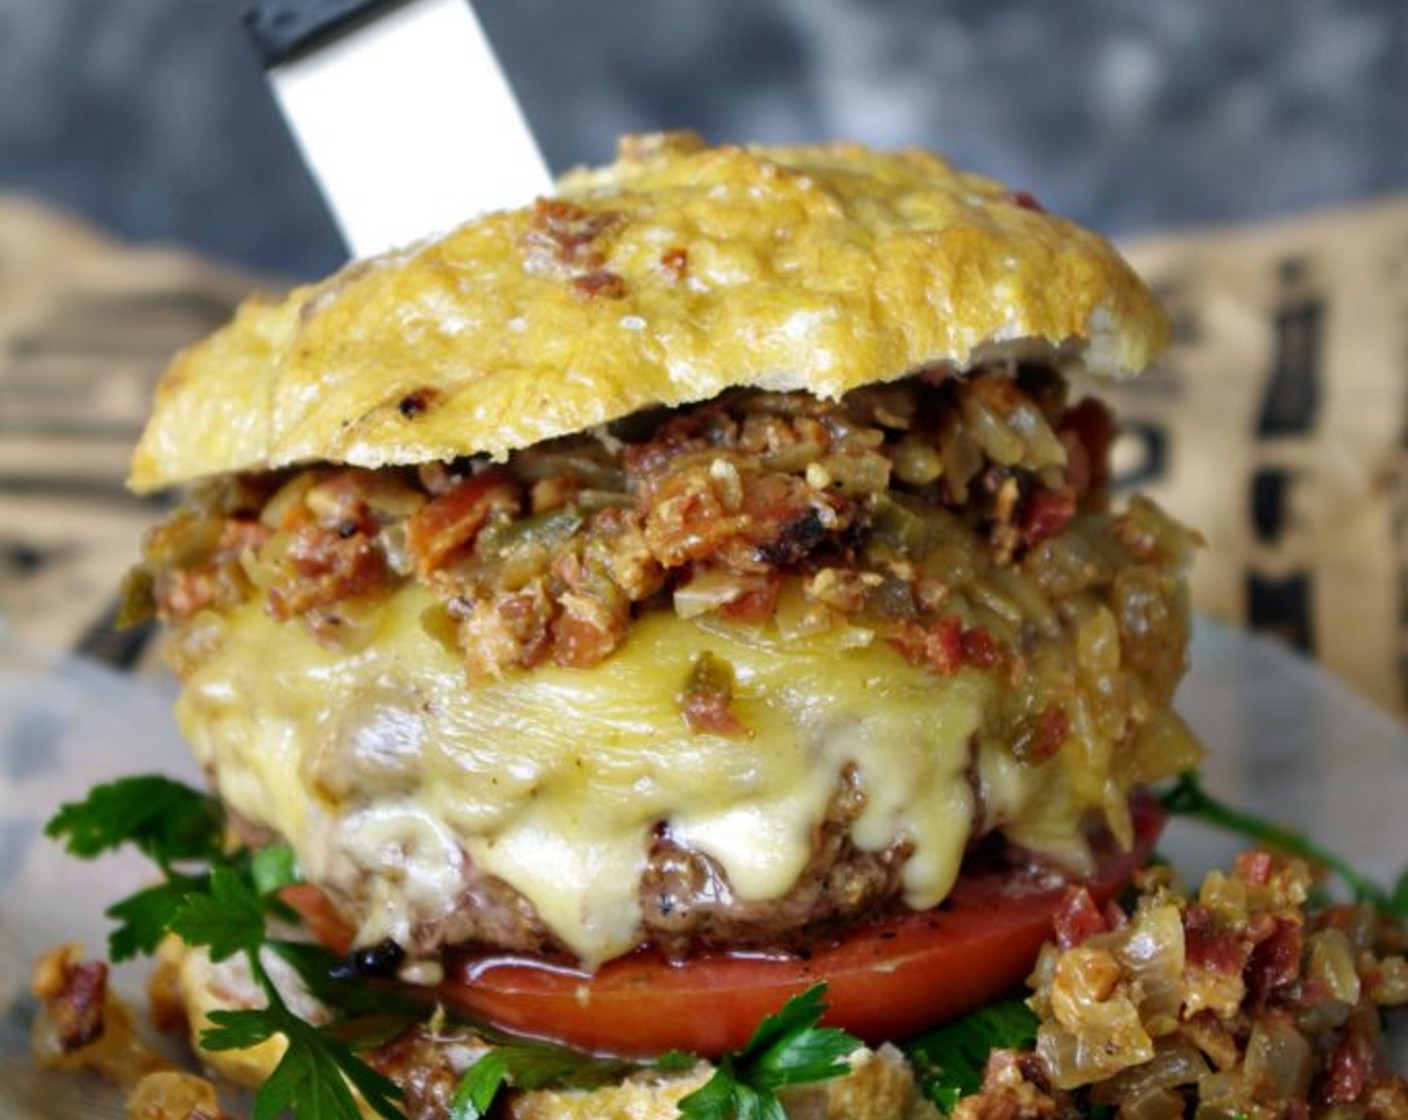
(667,277)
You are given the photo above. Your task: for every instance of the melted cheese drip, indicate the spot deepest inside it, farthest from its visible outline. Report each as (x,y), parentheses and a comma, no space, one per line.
(386,761)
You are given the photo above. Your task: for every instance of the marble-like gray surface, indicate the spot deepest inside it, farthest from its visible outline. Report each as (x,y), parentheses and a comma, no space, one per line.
(151,116)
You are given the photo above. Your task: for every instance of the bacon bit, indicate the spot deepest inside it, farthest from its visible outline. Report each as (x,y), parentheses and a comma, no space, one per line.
(180,593)
(1040,738)
(684,520)
(1208,948)
(1045,513)
(757,604)
(1115,917)
(634,568)
(512,629)
(183,592)
(1255,867)
(938,647)
(1078,918)
(944,646)
(593,615)
(447,525)
(707,699)
(418,403)
(240,535)
(1026,200)
(676,263)
(562,233)
(1089,426)
(599,284)
(1349,1069)
(1275,960)
(779,521)
(787,520)
(1080,471)
(586,631)
(75,996)
(327,567)
(792,537)
(979,650)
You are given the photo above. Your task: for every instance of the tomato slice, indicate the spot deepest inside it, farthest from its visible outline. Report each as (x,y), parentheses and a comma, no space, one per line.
(323,922)
(889,979)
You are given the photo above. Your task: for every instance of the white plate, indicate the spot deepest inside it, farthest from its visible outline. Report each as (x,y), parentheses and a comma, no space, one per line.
(1285,740)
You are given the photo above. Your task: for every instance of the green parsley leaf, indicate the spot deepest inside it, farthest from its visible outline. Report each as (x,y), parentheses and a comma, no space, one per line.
(724,1097)
(238,1030)
(274,867)
(166,820)
(539,1065)
(306,1083)
(1188,798)
(227,920)
(1398,900)
(788,1048)
(144,918)
(224,907)
(312,1078)
(536,1066)
(950,1059)
(474,1095)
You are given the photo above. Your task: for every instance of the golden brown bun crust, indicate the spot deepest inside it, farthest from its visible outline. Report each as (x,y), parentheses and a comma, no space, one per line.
(665,278)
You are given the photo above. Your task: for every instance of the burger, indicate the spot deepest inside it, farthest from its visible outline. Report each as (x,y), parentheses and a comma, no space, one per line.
(633,610)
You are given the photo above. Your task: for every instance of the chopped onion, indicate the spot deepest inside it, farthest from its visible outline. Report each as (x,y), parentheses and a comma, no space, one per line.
(709,590)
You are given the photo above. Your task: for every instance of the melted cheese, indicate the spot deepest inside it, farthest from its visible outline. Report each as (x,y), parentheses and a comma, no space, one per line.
(387,762)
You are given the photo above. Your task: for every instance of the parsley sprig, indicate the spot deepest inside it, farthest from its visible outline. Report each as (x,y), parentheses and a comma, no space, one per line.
(221,899)
(1189,798)
(788,1048)
(539,1065)
(949,1060)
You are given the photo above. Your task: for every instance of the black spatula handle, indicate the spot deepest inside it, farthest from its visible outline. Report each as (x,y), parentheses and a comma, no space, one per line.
(282,29)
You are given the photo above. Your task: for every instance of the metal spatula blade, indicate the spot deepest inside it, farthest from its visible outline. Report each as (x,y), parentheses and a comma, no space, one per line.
(402,112)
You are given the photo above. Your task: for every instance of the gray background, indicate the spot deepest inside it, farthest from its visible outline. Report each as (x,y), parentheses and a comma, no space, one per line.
(151,115)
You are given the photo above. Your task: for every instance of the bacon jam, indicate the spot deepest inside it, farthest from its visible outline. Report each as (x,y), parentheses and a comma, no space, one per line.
(549,556)
(1240,1000)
